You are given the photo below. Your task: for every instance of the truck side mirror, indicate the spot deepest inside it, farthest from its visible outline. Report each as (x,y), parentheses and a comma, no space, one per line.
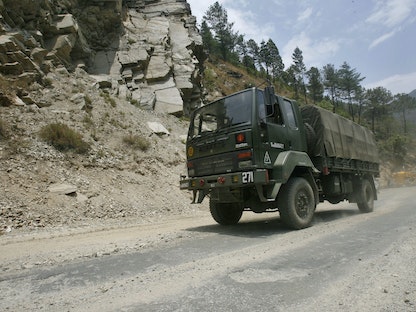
(270,100)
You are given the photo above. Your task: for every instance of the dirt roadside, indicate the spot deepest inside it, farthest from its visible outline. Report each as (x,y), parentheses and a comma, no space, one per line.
(25,250)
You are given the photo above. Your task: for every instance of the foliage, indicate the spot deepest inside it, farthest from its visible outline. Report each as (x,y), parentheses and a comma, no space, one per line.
(269,57)
(216,18)
(349,85)
(315,86)
(377,105)
(209,79)
(250,57)
(63,138)
(330,82)
(402,103)
(395,148)
(137,142)
(325,103)
(299,69)
(209,43)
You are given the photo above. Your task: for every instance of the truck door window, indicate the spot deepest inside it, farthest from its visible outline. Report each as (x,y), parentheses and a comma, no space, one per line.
(261,105)
(278,118)
(290,114)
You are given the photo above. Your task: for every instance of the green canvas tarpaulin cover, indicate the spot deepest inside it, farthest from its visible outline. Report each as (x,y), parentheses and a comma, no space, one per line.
(339,137)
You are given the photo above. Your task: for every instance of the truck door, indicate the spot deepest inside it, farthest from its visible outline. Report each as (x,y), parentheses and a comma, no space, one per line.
(276,135)
(291,120)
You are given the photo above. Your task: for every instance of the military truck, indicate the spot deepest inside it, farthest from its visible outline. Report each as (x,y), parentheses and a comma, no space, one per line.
(260,152)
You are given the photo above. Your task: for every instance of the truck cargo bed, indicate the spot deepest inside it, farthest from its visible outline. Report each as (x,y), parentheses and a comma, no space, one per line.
(338,142)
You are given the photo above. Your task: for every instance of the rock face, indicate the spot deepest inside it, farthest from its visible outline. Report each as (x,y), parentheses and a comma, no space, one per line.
(148,51)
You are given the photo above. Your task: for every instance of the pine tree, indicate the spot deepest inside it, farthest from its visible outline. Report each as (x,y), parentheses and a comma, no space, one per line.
(249,51)
(277,65)
(378,100)
(216,18)
(253,51)
(402,103)
(331,84)
(270,59)
(315,86)
(349,82)
(208,40)
(299,71)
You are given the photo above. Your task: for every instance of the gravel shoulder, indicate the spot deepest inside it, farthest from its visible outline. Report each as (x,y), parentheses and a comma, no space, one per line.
(45,247)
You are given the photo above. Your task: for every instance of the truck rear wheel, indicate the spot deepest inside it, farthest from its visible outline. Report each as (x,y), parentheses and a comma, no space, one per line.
(365,200)
(226,213)
(296,203)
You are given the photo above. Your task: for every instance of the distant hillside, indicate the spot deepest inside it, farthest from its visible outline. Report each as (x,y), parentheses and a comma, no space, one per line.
(222,78)
(411,115)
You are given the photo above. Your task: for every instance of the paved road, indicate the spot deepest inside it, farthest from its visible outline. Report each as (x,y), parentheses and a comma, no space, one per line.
(346,262)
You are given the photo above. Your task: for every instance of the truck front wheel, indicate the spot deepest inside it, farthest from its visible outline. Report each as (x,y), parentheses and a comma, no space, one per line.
(226,213)
(296,203)
(366,196)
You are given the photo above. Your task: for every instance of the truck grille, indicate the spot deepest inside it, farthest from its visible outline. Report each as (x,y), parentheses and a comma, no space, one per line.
(214,165)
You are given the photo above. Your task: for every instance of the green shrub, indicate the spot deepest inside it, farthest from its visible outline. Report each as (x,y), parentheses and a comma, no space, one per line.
(63,138)
(137,142)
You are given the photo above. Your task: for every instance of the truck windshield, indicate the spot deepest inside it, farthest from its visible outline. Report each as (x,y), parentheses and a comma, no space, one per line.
(222,114)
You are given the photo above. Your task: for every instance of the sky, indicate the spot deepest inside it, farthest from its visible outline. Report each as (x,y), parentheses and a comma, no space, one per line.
(376,37)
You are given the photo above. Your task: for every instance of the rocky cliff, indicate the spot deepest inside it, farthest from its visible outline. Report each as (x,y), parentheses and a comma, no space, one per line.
(148,51)
(112,71)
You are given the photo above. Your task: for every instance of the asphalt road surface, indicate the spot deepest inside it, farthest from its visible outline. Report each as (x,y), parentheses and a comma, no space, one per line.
(347,261)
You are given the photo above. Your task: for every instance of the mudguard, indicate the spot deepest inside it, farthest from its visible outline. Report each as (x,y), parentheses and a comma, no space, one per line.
(286,162)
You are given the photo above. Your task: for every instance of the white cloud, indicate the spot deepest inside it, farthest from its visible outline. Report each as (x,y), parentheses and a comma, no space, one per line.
(198,9)
(404,83)
(244,20)
(392,13)
(304,15)
(315,53)
(246,24)
(381,39)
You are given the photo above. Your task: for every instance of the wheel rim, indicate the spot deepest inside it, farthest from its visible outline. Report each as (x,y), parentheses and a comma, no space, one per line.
(302,205)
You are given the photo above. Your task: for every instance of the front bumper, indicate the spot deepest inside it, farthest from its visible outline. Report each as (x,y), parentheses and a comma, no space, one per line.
(235,179)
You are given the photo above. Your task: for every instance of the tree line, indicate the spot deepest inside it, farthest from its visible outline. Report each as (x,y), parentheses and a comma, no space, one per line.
(337,89)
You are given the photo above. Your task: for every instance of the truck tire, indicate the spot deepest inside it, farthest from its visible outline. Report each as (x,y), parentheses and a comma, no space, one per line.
(226,213)
(365,197)
(296,203)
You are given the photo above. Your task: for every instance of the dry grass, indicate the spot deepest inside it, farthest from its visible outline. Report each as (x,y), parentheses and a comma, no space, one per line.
(3,130)
(137,142)
(227,79)
(63,138)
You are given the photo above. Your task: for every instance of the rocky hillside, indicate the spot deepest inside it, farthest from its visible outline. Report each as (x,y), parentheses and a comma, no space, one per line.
(146,51)
(112,72)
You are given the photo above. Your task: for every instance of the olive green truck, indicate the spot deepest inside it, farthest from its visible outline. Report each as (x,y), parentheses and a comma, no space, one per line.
(255,150)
